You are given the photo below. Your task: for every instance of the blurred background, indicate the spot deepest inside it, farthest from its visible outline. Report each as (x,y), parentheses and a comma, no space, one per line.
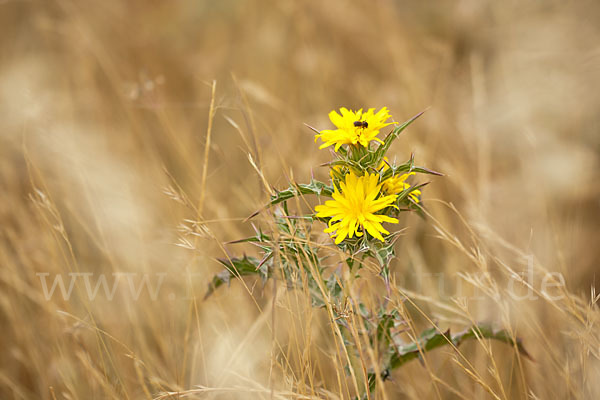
(103,164)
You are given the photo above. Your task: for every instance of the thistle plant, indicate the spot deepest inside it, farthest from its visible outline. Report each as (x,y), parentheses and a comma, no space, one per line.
(360,207)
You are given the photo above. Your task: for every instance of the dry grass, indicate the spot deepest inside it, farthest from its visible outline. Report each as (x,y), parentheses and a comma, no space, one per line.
(113,135)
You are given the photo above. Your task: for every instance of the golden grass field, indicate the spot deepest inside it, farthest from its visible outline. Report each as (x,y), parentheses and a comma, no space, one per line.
(136,137)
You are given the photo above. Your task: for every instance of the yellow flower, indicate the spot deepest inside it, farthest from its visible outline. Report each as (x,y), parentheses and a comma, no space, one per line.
(397,184)
(354,127)
(353,210)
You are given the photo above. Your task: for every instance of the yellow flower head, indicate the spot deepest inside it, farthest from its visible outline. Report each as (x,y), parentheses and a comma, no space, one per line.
(354,127)
(396,184)
(353,209)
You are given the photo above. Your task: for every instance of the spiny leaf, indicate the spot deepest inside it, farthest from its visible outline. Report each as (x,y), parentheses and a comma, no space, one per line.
(386,323)
(432,338)
(333,288)
(421,170)
(389,139)
(314,187)
(237,267)
(217,281)
(404,194)
(344,163)
(259,238)
(487,332)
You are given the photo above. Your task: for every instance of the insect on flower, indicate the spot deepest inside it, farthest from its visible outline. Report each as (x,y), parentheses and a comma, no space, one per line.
(356,128)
